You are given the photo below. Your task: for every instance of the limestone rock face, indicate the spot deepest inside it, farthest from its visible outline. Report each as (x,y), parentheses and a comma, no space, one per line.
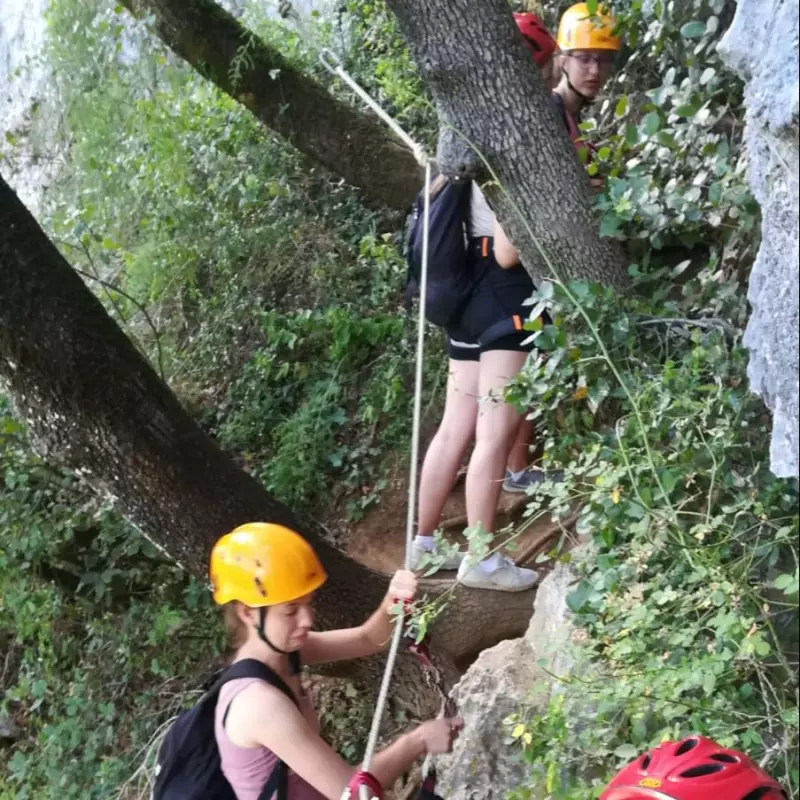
(761,46)
(505,679)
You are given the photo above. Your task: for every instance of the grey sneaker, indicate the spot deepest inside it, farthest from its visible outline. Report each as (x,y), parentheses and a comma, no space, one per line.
(530,478)
(451,560)
(508,577)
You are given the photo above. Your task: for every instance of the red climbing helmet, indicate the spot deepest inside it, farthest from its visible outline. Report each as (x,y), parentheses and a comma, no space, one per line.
(540,41)
(693,769)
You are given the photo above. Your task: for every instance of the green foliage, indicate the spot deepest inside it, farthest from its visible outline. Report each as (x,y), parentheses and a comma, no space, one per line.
(103,640)
(669,133)
(271,299)
(94,625)
(325,396)
(228,257)
(687,600)
(378,55)
(686,608)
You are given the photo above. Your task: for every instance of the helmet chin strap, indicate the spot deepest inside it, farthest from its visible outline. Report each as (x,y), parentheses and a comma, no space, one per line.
(262,631)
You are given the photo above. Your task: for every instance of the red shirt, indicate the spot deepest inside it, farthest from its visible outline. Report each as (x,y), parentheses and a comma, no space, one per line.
(573,129)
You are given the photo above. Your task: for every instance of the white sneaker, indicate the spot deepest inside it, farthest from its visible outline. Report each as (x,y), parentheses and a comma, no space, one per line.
(418,552)
(506,578)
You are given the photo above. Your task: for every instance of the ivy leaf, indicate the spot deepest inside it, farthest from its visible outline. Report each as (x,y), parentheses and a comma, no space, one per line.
(626,751)
(787,583)
(707,75)
(688,110)
(693,30)
(579,596)
(622,107)
(667,139)
(651,123)
(610,225)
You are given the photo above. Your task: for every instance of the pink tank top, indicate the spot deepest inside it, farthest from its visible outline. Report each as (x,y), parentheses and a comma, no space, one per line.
(247,768)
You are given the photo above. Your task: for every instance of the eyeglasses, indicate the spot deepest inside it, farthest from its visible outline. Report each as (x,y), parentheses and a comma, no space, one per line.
(601,60)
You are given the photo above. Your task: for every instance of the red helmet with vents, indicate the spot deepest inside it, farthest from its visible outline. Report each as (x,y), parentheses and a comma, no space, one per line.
(540,41)
(693,769)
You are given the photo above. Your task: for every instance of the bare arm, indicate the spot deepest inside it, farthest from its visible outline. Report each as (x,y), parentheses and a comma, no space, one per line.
(366,639)
(262,715)
(505,253)
(270,719)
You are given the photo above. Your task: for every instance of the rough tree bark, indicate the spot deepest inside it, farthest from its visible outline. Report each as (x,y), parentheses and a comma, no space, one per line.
(93,402)
(490,95)
(355,145)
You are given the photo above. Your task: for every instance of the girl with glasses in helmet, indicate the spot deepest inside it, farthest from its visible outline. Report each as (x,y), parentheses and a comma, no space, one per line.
(589,45)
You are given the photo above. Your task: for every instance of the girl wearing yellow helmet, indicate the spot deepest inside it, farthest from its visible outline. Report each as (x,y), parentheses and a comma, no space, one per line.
(589,45)
(265,576)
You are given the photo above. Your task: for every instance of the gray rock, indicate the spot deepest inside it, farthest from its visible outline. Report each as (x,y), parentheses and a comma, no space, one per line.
(506,679)
(550,629)
(762,47)
(496,685)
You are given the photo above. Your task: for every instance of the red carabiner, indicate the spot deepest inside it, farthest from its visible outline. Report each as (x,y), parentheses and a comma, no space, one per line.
(367,779)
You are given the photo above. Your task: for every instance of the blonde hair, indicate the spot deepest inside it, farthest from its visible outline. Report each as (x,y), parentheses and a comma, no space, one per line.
(236,631)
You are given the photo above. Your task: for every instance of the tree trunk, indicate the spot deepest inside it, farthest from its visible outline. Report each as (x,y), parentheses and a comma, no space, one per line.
(92,402)
(355,145)
(491,97)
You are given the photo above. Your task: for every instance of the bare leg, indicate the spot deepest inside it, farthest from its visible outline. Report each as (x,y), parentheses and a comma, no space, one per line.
(519,458)
(495,433)
(448,446)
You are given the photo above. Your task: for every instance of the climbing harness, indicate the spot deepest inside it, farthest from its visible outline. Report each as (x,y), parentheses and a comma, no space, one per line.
(364,785)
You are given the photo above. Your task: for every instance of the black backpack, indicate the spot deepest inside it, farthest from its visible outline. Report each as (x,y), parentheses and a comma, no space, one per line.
(450,278)
(188,766)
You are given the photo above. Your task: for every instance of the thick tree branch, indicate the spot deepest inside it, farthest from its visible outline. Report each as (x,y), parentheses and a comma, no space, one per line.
(350,143)
(92,402)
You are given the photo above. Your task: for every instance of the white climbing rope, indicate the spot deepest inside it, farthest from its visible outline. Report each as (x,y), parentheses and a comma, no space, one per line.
(333,64)
(412,487)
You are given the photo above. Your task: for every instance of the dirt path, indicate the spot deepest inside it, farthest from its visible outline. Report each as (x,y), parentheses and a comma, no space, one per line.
(377,541)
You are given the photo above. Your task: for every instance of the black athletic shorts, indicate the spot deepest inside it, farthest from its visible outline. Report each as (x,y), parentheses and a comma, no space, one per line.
(498,295)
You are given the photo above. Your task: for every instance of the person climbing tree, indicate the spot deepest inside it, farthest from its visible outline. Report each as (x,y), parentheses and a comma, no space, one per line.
(486,348)
(589,45)
(265,577)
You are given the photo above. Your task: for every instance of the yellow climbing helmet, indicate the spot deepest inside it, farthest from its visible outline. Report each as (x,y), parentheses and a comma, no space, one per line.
(262,564)
(580,30)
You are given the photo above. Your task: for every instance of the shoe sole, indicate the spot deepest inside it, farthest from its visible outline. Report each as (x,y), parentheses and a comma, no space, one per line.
(443,568)
(494,588)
